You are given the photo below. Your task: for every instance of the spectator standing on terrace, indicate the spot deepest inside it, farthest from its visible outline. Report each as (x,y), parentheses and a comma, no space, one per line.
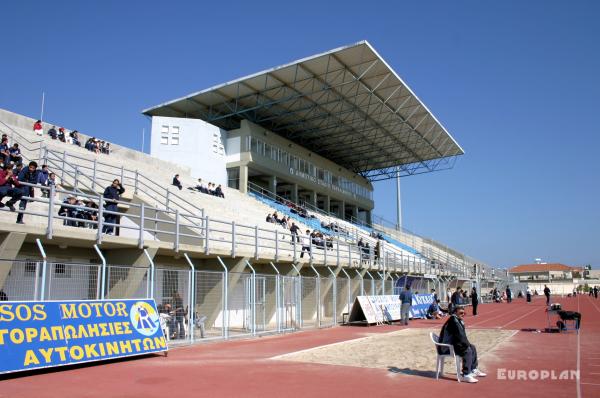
(37,128)
(8,188)
(474,300)
(547,294)
(176,182)
(43,179)
(29,175)
(294,229)
(406,297)
(112,194)
(306,241)
(15,154)
(454,299)
(179,329)
(453,332)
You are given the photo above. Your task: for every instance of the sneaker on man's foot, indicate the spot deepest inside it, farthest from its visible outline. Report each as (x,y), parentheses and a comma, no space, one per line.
(478,373)
(468,378)
(20,222)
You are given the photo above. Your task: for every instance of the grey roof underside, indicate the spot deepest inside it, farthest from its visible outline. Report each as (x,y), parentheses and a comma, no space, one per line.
(346,105)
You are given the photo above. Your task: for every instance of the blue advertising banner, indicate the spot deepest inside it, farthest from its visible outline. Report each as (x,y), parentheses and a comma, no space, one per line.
(39,334)
(376,309)
(420,304)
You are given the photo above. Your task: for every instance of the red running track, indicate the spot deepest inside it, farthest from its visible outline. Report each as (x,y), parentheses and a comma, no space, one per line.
(243,369)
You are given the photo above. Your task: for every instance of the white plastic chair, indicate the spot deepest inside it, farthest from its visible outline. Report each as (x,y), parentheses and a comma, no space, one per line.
(164,324)
(440,358)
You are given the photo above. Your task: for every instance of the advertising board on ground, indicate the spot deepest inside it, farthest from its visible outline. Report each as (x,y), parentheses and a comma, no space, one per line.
(39,334)
(386,308)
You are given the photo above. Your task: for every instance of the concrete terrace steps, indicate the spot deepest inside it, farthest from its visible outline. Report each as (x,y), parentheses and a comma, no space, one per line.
(236,206)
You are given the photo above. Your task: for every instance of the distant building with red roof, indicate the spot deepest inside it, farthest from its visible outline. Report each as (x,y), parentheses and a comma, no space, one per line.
(538,274)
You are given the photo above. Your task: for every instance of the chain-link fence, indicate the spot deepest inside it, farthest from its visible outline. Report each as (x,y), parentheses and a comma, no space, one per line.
(199,305)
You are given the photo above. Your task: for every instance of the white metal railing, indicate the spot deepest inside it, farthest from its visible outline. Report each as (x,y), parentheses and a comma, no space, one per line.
(79,168)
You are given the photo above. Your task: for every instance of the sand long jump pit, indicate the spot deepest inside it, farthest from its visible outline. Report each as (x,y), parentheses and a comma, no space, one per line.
(408,351)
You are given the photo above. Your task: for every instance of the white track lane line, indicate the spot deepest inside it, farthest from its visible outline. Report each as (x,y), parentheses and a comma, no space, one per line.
(495,317)
(578,357)
(521,317)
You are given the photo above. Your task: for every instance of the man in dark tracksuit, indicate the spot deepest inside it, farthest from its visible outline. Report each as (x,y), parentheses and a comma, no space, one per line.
(29,175)
(112,193)
(454,300)
(453,332)
(547,294)
(474,300)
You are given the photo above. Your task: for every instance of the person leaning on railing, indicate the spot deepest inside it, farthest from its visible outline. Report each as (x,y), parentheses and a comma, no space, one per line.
(29,175)
(112,194)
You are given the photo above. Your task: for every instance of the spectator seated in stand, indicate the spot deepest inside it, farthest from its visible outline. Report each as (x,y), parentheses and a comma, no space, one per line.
(269,218)
(61,134)
(176,182)
(38,129)
(201,186)
(219,192)
(75,137)
(9,187)
(4,151)
(15,154)
(53,133)
(96,146)
(72,208)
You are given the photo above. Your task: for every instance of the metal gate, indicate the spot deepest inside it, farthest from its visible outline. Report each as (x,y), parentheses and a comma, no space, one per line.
(290,305)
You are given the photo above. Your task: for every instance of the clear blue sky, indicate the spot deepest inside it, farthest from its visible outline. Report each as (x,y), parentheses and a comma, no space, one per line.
(516,82)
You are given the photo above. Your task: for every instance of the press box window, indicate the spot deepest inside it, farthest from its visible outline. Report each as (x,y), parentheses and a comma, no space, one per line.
(174,135)
(164,135)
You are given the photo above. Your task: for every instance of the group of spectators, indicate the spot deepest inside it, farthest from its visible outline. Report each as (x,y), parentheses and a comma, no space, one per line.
(9,154)
(13,176)
(92,144)
(81,212)
(174,315)
(314,240)
(210,189)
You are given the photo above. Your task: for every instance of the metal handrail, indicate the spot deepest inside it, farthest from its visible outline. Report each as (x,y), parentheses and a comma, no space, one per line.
(142,181)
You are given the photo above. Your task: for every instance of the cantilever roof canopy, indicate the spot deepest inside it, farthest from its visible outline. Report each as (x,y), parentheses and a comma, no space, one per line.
(346,105)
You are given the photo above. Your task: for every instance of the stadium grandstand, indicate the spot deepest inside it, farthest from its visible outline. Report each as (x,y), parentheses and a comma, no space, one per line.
(268,226)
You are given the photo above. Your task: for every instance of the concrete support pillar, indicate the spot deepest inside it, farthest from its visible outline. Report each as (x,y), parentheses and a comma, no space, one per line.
(355,213)
(243,179)
(369,217)
(9,249)
(327,204)
(342,209)
(295,193)
(313,198)
(206,302)
(273,184)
